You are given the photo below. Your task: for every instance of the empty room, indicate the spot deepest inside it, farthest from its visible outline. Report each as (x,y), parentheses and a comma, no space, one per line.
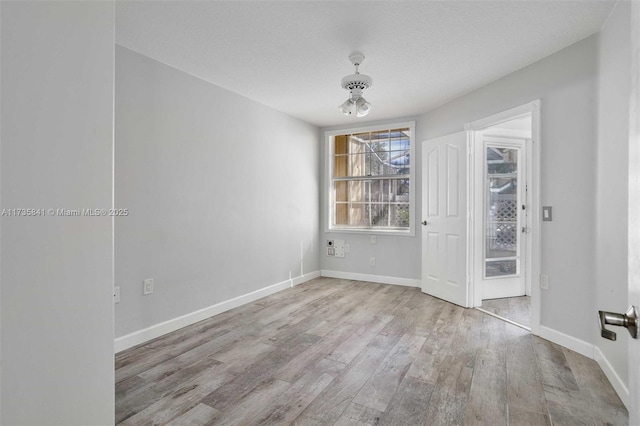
(319,212)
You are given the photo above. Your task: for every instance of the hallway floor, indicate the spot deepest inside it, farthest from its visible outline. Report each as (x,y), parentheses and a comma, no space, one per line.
(517,309)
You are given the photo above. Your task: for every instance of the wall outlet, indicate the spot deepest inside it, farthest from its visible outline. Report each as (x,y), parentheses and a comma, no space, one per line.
(347,248)
(116,295)
(544,282)
(148,286)
(372,261)
(374,239)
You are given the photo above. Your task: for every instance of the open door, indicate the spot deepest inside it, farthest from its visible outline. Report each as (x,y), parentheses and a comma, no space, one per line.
(444,218)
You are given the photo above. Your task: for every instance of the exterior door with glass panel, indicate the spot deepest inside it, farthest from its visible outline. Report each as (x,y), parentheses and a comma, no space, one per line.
(504,217)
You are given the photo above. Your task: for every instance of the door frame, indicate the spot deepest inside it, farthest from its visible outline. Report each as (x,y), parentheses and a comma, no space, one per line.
(633,284)
(533,244)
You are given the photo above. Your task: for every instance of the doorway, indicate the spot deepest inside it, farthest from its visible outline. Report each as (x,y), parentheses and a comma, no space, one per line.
(457,186)
(504,207)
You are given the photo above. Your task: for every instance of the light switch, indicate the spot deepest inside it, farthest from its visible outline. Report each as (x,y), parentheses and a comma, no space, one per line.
(546,214)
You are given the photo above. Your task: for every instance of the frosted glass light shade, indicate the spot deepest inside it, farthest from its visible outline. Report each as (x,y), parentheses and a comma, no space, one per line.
(347,107)
(362,107)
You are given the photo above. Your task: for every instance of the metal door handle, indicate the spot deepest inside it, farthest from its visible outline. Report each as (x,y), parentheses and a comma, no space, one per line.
(629,320)
(424,223)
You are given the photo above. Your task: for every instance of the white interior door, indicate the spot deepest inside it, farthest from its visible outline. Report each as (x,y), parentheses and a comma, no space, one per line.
(501,207)
(444,218)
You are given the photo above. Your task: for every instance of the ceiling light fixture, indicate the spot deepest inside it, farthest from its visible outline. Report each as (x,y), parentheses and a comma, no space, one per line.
(356,84)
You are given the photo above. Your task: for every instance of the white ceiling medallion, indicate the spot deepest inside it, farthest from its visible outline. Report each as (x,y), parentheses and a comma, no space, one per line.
(356,84)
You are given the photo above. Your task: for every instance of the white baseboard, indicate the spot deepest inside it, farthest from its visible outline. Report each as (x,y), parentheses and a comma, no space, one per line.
(157,330)
(614,379)
(304,278)
(570,342)
(408,282)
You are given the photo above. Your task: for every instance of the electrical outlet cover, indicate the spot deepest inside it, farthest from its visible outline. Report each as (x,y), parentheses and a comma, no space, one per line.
(339,246)
(544,282)
(148,286)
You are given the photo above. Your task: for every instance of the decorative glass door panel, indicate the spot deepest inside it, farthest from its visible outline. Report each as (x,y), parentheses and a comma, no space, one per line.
(502,223)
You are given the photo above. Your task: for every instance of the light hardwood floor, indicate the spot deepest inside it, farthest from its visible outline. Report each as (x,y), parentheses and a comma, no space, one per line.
(517,309)
(354,353)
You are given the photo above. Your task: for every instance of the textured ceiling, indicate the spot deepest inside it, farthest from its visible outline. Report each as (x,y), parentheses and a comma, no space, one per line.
(291,55)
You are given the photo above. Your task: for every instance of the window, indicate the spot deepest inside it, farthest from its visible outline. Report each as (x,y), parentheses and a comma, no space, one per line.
(371,177)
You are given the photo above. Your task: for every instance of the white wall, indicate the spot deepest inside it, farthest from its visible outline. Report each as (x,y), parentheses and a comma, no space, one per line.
(566,83)
(222,191)
(56,272)
(612,179)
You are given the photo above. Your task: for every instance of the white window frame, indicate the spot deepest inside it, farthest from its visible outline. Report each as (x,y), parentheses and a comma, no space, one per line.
(328,181)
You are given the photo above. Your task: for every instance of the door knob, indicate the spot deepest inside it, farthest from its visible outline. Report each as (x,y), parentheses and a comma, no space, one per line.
(424,223)
(629,320)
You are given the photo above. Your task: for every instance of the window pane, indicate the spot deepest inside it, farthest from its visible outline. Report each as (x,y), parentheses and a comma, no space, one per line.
(357,164)
(358,191)
(341,214)
(380,141)
(358,143)
(377,165)
(377,191)
(398,163)
(379,153)
(400,190)
(341,191)
(340,167)
(372,203)
(501,240)
(379,146)
(358,214)
(502,232)
(499,268)
(502,202)
(400,215)
(379,214)
(340,145)
(400,139)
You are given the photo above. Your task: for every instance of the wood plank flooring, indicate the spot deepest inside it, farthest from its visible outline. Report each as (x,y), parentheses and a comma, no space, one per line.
(338,352)
(517,309)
